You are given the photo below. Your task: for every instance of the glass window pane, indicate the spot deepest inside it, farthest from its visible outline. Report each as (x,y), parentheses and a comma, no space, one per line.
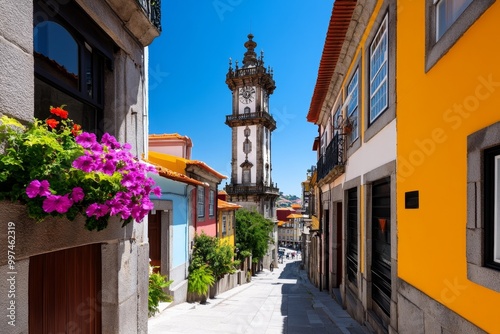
(57,52)
(81,113)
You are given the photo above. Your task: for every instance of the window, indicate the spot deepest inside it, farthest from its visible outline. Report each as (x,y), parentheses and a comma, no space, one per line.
(378,72)
(492,207)
(447,12)
(447,21)
(483,207)
(70,54)
(352,105)
(211,203)
(224,225)
(323,145)
(201,202)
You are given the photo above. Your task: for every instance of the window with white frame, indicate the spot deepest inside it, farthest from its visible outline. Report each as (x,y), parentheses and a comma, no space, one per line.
(323,145)
(378,72)
(447,12)
(201,202)
(211,203)
(492,206)
(446,22)
(352,104)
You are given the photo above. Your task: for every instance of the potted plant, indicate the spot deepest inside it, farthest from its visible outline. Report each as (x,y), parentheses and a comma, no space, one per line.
(199,281)
(56,169)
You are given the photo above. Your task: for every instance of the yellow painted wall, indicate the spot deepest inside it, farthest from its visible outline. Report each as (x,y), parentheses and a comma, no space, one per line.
(229,239)
(432,152)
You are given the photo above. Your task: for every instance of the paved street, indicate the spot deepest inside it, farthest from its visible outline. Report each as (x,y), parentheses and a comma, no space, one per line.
(283,301)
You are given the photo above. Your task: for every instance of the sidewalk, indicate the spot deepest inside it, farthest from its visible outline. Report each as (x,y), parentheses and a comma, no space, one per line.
(282,301)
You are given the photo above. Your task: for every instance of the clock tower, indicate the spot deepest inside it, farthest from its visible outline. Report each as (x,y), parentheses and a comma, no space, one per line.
(252,125)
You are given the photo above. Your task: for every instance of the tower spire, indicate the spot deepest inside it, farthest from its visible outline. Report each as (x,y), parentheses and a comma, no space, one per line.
(250,58)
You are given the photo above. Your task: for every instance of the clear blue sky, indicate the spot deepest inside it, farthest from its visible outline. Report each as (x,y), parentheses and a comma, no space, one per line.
(188,65)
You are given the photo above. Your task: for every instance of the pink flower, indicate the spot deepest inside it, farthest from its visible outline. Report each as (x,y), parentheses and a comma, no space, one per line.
(84,163)
(77,194)
(61,204)
(37,188)
(97,210)
(86,139)
(157,191)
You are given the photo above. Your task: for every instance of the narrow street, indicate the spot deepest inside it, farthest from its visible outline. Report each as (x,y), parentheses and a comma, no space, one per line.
(282,301)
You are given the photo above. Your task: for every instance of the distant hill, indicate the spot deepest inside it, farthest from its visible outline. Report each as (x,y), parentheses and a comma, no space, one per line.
(285,201)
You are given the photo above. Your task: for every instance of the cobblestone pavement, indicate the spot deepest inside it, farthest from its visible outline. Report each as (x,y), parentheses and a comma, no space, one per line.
(282,301)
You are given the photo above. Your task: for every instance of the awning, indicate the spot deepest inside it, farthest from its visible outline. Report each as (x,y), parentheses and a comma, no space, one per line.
(294,215)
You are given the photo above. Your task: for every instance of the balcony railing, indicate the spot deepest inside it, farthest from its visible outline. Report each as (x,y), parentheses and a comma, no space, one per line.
(251,190)
(333,156)
(243,72)
(152,9)
(252,118)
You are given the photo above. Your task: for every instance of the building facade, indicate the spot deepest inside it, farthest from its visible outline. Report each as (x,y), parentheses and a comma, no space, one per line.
(353,104)
(89,55)
(410,245)
(448,262)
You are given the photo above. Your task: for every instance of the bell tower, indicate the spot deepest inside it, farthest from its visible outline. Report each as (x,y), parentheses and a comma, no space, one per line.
(252,125)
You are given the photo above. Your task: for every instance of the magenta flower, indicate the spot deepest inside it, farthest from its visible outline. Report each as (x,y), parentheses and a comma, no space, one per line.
(85,163)
(128,180)
(85,139)
(157,191)
(38,188)
(97,210)
(61,204)
(77,194)
(108,168)
(110,141)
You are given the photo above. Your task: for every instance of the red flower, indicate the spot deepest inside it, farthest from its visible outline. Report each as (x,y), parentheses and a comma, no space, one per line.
(77,129)
(52,122)
(58,111)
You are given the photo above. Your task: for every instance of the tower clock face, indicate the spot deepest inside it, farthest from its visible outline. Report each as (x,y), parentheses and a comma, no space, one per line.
(247,94)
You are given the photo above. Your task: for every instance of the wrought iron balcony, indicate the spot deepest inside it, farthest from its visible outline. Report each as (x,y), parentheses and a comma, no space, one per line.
(233,190)
(333,158)
(252,119)
(152,9)
(142,18)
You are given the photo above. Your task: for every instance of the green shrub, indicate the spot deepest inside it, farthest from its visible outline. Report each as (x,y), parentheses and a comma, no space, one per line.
(200,280)
(157,283)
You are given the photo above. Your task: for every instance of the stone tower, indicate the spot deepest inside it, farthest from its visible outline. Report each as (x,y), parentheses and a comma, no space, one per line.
(252,125)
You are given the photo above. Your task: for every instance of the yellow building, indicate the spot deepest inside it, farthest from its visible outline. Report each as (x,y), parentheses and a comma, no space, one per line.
(448,167)
(226,222)
(408,174)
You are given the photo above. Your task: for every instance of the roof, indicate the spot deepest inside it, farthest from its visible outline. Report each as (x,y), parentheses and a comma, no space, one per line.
(172,175)
(339,22)
(223,205)
(281,223)
(222,192)
(296,206)
(179,164)
(294,215)
(171,136)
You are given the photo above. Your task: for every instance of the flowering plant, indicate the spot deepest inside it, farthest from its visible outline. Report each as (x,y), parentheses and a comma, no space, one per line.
(56,169)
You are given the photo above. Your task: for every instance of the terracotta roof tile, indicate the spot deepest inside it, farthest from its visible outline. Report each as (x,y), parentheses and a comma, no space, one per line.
(223,205)
(337,29)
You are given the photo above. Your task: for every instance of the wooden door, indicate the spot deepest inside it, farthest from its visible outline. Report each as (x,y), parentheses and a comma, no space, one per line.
(64,291)
(154,235)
